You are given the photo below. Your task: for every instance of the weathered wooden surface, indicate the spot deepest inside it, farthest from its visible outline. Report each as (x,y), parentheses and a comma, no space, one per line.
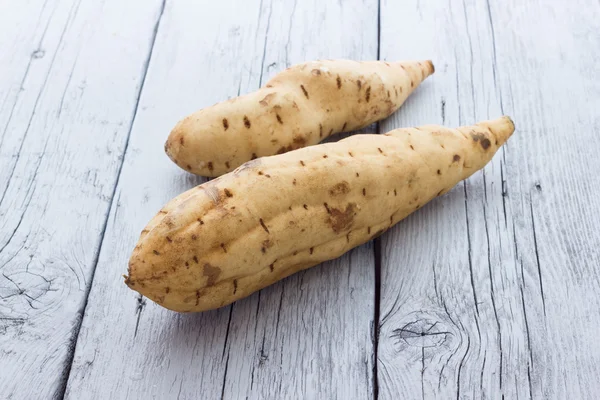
(61,143)
(491,291)
(281,342)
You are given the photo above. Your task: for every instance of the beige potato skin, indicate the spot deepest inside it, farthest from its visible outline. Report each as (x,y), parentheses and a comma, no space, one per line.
(274,216)
(298,107)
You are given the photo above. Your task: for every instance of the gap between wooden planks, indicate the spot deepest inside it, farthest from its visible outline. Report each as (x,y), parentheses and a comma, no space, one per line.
(65,115)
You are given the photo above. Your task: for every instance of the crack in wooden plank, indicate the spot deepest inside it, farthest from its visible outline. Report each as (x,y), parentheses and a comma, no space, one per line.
(77,328)
(537,255)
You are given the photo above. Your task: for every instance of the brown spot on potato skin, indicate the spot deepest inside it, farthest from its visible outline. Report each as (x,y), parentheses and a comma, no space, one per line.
(294,181)
(210,166)
(200,221)
(225,124)
(304,91)
(228,193)
(247,123)
(272,267)
(350,154)
(344,126)
(311,250)
(330,131)
(197,297)
(168,239)
(305,207)
(412,84)
(339,82)
(368,94)
(381,151)
(195,258)
(302,163)
(254,156)
(316,72)
(223,247)
(181,140)
(340,189)
(267,244)
(212,273)
(368,230)
(167,290)
(412,147)
(320,130)
(359,84)
(235,285)
(299,141)
(194,237)
(156,252)
(227,164)
(285,149)
(482,139)
(439,172)
(262,223)
(341,220)
(364,192)
(456,158)
(327,208)
(279,119)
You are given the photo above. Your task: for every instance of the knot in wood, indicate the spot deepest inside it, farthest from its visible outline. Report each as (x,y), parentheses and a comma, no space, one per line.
(422,333)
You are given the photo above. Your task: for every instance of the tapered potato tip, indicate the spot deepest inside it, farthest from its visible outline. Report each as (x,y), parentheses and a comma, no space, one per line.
(418,70)
(502,128)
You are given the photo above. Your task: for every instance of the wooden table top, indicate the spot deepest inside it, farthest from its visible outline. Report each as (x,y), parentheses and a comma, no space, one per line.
(491,291)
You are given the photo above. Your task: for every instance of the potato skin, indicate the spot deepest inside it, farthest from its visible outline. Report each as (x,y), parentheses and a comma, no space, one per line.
(298,107)
(274,216)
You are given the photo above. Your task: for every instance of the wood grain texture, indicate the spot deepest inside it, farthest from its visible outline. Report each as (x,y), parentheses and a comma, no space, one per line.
(492,290)
(66,119)
(308,334)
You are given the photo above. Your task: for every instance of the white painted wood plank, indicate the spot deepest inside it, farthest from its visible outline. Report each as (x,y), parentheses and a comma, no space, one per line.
(65,118)
(552,86)
(492,290)
(22,25)
(130,347)
(309,336)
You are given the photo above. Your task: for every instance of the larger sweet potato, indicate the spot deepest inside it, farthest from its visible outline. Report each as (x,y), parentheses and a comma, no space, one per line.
(274,216)
(298,107)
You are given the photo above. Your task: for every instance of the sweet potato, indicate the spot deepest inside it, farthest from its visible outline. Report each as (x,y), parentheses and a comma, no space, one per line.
(274,216)
(298,107)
